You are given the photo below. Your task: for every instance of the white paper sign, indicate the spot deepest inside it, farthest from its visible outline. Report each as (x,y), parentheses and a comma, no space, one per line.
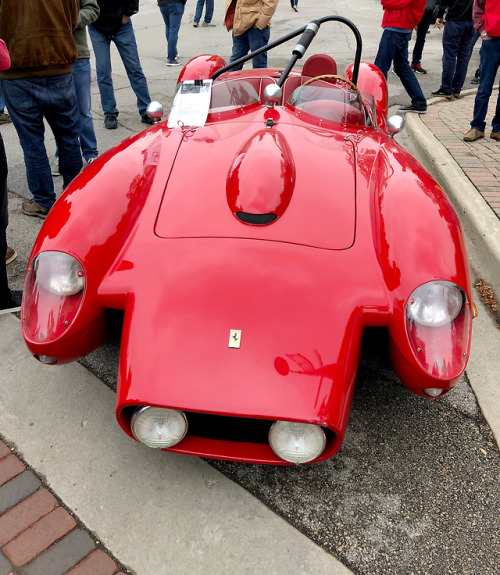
(191,104)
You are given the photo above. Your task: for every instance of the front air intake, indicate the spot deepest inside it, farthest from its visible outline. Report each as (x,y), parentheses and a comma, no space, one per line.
(256,219)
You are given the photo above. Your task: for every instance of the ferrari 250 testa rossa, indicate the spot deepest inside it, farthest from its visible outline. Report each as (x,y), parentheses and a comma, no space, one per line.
(249,241)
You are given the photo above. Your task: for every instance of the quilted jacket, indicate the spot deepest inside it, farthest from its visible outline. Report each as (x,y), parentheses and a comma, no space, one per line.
(250,14)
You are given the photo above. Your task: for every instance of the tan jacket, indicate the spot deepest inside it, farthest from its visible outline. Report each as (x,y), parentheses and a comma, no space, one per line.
(251,14)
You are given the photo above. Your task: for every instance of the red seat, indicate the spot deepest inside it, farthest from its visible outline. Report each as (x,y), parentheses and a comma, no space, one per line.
(315,65)
(319,64)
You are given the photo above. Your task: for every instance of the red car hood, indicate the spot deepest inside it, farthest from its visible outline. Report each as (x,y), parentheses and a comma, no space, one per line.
(300,329)
(313,194)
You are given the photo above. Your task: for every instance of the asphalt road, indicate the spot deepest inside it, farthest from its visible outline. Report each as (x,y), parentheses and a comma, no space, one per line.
(414,489)
(413,474)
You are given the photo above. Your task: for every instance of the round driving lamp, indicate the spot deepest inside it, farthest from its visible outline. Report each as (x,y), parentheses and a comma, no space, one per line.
(157,427)
(434,391)
(297,442)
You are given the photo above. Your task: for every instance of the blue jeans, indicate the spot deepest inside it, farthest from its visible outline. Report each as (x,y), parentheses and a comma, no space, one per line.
(172,16)
(490,62)
(2,100)
(86,133)
(127,48)
(209,10)
(457,38)
(422,28)
(394,47)
(30,101)
(249,41)
(475,38)
(81,76)
(4,220)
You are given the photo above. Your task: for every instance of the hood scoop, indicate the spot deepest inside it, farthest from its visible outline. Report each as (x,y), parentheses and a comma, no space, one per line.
(261,179)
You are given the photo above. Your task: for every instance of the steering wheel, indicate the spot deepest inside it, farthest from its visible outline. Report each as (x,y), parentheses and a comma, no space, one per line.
(335,77)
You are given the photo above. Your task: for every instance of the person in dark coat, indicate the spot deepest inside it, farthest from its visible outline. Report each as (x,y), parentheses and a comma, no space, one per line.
(457,37)
(115,25)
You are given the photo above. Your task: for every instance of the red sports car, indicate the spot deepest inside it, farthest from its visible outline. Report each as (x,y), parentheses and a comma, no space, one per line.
(249,241)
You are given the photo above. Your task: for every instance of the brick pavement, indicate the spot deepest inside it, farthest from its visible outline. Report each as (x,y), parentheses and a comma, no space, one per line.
(38,535)
(479,160)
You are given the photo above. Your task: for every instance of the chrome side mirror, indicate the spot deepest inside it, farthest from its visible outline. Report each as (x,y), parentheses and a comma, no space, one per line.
(395,124)
(155,111)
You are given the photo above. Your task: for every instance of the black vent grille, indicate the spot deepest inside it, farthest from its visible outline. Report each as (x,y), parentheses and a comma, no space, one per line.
(256,219)
(239,429)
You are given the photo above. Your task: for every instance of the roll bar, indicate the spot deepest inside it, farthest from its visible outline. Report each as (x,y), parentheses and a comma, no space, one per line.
(308,33)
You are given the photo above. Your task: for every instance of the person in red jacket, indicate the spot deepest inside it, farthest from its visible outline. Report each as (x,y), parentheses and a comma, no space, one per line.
(486,17)
(400,18)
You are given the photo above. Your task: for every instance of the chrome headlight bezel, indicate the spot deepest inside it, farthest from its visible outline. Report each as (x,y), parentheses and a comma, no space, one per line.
(146,419)
(311,433)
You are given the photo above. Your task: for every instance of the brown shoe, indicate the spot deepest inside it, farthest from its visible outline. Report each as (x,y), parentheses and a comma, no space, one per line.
(495,136)
(10,255)
(31,208)
(473,135)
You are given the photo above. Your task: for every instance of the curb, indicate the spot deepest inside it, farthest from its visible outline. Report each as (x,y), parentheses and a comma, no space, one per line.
(480,223)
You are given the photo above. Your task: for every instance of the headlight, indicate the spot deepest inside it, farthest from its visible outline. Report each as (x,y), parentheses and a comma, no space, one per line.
(297,442)
(437,322)
(435,303)
(59,273)
(434,391)
(54,289)
(157,427)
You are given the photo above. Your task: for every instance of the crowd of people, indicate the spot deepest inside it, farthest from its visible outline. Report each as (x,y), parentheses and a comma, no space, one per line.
(466,21)
(45,73)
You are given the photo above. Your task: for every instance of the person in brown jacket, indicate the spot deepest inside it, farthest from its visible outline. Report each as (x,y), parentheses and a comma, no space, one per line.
(39,85)
(250,21)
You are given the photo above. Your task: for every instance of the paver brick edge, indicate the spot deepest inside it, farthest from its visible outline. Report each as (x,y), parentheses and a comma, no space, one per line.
(120,568)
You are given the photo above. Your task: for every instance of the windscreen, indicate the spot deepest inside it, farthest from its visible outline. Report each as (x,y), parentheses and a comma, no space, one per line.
(329,102)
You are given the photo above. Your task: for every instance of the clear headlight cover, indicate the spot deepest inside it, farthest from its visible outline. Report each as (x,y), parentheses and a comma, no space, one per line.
(59,273)
(54,289)
(438,321)
(157,427)
(435,303)
(297,442)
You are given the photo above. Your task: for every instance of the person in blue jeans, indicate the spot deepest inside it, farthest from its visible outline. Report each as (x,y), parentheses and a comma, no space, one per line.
(37,32)
(114,25)
(489,29)
(422,28)
(249,21)
(400,18)
(294,4)
(89,11)
(475,38)
(172,12)
(209,12)
(457,38)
